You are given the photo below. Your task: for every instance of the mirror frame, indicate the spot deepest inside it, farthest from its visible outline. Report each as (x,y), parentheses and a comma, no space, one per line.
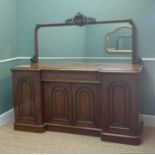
(80,20)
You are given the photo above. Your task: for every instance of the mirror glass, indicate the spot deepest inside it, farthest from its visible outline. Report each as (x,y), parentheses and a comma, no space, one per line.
(99,42)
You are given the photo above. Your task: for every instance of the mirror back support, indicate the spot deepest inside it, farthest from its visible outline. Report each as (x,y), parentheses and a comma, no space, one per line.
(81,20)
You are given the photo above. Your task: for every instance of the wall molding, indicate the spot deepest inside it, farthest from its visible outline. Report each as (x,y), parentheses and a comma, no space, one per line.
(78,58)
(8,60)
(87,58)
(23,58)
(6,117)
(73,58)
(148,59)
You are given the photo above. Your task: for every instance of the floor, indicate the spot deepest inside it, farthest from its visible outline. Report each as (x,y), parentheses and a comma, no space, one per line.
(53,142)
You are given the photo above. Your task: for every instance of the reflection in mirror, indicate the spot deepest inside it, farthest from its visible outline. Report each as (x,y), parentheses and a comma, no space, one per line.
(62,41)
(85,42)
(119,40)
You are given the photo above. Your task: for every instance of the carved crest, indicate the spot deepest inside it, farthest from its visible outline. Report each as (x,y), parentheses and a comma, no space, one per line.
(80,20)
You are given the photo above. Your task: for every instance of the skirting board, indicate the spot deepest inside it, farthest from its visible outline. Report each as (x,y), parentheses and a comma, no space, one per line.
(6,117)
(149,120)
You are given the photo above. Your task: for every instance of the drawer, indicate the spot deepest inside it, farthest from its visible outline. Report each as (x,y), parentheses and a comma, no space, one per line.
(71,76)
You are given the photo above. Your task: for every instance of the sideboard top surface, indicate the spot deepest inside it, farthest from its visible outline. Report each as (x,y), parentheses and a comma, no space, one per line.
(98,67)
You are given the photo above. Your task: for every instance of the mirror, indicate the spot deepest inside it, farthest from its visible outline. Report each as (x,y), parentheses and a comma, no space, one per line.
(119,40)
(84,42)
(85,38)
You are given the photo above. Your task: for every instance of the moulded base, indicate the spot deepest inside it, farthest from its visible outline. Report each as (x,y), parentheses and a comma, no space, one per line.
(105,136)
(125,139)
(58,128)
(30,128)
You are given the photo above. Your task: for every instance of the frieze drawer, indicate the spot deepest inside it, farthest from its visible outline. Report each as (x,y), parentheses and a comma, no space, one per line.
(91,77)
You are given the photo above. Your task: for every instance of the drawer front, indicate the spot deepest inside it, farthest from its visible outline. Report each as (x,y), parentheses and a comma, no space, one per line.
(71,76)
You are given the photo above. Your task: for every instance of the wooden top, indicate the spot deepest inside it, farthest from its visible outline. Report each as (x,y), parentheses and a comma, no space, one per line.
(99,67)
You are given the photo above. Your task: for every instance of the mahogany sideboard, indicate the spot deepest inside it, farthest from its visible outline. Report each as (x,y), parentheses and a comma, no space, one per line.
(99,99)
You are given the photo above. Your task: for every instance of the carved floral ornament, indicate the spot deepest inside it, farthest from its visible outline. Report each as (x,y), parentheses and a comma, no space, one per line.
(80,19)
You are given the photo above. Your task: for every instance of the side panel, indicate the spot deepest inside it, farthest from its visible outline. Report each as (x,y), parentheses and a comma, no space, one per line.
(27,97)
(120,103)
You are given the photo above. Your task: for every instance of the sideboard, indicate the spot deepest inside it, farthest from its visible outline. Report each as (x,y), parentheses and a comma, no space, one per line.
(99,99)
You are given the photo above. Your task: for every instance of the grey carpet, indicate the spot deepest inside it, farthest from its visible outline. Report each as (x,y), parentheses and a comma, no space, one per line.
(54,142)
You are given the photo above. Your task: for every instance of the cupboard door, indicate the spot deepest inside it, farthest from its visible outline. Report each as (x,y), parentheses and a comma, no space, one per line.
(27,97)
(120,100)
(85,101)
(58,103)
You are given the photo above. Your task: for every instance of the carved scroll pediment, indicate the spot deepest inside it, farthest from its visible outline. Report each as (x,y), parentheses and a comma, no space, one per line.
(80,20)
